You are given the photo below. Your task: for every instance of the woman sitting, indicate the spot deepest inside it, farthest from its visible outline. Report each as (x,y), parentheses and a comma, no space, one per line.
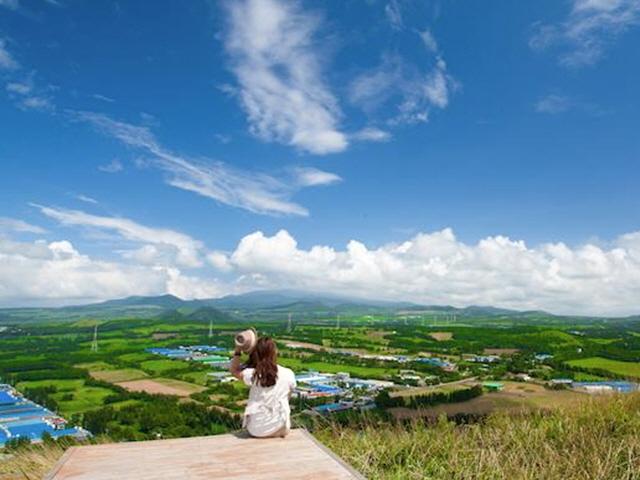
(267,413)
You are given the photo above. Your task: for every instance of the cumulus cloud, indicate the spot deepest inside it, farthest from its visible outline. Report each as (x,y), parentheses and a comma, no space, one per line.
(589,28)
(272,53)
(437,268)
(182,249)
(253,191)
(31,273)
(17,225)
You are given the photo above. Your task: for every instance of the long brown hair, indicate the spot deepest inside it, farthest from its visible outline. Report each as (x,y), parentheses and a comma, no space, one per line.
(263,358)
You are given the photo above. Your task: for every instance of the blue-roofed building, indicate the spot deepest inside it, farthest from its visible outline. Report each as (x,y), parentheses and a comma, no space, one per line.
(333,407)
(22,418)
(608,386)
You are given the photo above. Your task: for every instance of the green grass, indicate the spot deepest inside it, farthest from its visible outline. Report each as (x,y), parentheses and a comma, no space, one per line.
(61,385)
(355,370)
(158,367)
(199,378)
(628,369)
(86,398)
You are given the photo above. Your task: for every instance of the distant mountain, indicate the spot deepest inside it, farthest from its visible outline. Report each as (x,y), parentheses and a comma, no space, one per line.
(282,298)
(162,301)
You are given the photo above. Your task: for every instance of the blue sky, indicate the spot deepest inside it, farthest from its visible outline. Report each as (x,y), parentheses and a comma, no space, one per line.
(181,140)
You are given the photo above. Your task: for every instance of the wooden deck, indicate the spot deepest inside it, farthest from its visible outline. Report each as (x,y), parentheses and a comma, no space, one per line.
(231,456)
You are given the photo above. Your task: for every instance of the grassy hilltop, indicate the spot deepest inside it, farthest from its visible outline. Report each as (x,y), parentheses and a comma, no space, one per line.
(596,439)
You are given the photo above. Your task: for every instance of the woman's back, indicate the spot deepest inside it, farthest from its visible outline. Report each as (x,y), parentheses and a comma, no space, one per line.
(268,409)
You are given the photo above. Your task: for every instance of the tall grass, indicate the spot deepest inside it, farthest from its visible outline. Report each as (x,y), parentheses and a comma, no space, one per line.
(595,439)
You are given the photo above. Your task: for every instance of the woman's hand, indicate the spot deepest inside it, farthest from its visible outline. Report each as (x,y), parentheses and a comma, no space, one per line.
(234,367)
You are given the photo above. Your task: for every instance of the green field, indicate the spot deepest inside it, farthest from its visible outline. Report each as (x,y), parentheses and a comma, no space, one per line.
(354,370)
(628,369)
(158,367)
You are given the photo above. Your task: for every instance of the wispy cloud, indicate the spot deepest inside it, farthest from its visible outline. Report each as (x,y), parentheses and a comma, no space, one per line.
(17,225)
(273,55)
(114,166)
(103,98)
(186,250)
(7,62)
(589,28)
(10,4)
(552,104)
(253,191)
(311,177)
(87,199)
(394,14)
(19,88)
(371,134)
(413,92)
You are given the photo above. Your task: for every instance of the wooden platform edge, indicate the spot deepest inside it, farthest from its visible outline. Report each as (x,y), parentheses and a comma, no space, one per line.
(63,459)
(356,474)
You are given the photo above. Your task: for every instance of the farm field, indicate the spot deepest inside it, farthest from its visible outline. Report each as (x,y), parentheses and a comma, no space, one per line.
(515,397)
(116,376)
(163,386)
(628,369)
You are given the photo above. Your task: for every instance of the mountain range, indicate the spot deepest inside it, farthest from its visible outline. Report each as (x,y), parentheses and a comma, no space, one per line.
(256,304)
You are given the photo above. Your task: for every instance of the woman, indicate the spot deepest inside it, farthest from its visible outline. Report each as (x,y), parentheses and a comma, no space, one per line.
(267,413)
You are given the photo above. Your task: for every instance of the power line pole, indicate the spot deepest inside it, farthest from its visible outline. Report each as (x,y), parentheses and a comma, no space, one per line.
(94,344)
(289,326)
(210,328)
(338,322)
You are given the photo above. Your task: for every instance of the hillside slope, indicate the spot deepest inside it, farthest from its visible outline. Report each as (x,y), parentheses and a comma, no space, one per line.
(594,439)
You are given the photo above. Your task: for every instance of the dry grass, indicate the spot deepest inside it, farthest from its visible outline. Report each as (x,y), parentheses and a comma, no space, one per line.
(595,439)
(441,336)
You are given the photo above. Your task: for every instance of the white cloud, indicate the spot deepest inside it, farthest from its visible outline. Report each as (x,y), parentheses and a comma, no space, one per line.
(114,166)
(35,103)
(19,88)
(589,28)
(183,250)
(394,14)
(413,92)
(311,177)
(86,199)
(553,104)
(7,61)
(371,134)
(56,273)
(281,88)
(10,4)
(436,268)
(103,98)
(429,41)
(253,191)
(16,225)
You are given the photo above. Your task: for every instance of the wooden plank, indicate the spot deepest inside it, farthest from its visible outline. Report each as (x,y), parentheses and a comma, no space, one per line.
(231,456)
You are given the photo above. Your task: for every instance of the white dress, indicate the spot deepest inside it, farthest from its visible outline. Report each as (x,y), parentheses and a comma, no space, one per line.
(268,407)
